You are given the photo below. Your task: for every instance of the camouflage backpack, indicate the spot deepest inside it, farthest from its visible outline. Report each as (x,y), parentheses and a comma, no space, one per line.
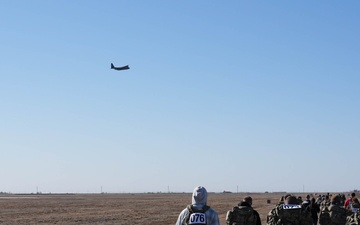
(353,219)
(332,215)
(290,214)
(196,216)
(241,215)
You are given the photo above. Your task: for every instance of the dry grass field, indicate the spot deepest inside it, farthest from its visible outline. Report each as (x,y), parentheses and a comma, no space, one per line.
(125,209)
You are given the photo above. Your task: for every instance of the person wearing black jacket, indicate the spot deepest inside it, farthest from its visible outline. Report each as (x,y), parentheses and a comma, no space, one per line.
(314,209)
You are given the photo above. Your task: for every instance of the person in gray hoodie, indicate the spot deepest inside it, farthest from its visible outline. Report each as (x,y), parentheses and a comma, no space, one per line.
(198,213)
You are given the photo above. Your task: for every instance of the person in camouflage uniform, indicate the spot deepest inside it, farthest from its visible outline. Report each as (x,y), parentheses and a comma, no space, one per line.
(342,199)
(334,214)
(355,206)
(243,214)
(354,218)
(289,213)
(319,199)
(325,202)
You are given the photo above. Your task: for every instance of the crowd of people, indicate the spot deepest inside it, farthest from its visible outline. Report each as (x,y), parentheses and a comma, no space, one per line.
(290,210)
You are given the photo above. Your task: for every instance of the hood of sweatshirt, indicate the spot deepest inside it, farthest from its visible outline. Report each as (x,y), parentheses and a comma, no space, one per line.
(199,196)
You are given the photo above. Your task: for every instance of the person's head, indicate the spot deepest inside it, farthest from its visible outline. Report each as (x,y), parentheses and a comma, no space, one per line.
(291,200)
(199,196)
(308,197)
(313,200)
(335,200)
(355,200)
(248,199)
(286,196)
(353,195)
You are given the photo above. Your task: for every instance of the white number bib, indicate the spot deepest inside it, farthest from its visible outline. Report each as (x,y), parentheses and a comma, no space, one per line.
(291,206)
(197,218)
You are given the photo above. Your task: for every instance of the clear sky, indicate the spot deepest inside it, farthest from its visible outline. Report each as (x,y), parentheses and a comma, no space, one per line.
(232,95)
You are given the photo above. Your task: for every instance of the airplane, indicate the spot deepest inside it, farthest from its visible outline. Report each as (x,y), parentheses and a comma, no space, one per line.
(120,68)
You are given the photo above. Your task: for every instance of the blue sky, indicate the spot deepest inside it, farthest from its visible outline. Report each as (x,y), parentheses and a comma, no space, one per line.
(247,95)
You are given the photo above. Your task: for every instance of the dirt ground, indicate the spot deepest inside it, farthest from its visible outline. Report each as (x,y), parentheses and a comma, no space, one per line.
(124,209)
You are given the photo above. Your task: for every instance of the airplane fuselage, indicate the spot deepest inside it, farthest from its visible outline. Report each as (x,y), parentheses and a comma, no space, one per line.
(120,68)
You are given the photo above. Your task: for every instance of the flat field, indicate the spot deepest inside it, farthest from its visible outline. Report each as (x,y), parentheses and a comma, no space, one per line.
(124,209)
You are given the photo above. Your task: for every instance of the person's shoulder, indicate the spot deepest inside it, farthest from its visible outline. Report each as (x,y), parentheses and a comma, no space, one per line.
(183,214)
(212,210)
(212,215)
(256,212)
(184,211)
(279,206)
(275,210)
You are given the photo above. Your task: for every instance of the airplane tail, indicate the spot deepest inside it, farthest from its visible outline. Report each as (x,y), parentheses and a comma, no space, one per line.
(112,66)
